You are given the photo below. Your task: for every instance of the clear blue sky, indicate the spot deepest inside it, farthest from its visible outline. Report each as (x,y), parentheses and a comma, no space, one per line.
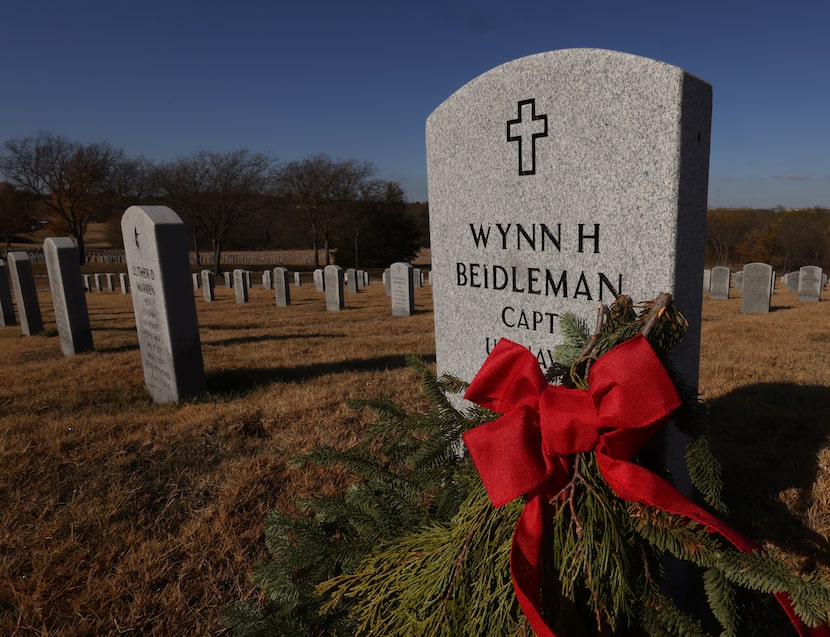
(357,80)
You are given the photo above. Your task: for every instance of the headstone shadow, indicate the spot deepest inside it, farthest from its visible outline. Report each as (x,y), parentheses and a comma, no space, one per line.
(767,437)
(244,379)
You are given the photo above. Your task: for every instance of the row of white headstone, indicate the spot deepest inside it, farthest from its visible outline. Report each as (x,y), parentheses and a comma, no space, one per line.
(159,278)
(757,284)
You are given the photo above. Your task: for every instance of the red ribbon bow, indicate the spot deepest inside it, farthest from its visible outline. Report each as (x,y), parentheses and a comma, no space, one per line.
(529,449)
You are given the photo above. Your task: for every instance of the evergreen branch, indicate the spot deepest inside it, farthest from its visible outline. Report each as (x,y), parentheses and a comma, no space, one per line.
(442,580)
(705,472)
(721,598)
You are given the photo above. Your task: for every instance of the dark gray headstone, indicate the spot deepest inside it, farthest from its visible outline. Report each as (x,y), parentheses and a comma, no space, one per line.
(334,288)
(721,276)
(557,181)
(25,293)
(756,292)
(282,291)
(155,245)
(68,298)
(809,283)
(402,284)
(240,285)
(6,303)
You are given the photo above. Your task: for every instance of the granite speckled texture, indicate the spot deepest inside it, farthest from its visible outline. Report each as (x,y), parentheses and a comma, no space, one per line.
(555,181)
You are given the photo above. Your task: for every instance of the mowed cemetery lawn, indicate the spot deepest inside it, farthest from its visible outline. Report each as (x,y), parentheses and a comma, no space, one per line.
(119,516)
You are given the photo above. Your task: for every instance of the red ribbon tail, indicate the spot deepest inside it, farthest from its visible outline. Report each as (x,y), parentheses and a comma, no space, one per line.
(525,564)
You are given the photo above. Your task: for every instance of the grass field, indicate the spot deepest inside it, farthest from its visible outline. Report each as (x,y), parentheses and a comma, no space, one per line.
(119,516)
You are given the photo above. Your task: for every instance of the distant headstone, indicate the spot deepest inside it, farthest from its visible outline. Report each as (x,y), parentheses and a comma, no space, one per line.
(208,285)
(88,282)
(197,281)
(266,279)
(557,181)
(68,298)
(25,293)
(809,283)
(99,282)
(791,281)
(124,280)
(282,292)
(319,280)
(403,293)
(240,285)
(6,303)
(756,292)
(110,279)
(228,279)
(720,283)
(738,280)
(155,245)
(352,281)
(298,281)
(334,288)
(387,281)
(707,280)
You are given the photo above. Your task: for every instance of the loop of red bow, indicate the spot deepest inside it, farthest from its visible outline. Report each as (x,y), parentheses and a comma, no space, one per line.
(529,449)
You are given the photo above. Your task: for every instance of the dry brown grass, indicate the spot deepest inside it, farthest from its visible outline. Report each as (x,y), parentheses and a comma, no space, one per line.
(119,516)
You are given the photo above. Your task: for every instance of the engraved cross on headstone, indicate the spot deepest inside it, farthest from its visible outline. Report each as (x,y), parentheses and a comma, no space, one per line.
(525,130)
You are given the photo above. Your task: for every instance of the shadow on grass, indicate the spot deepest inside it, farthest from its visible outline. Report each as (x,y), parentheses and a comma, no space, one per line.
(767,437)
(241,380)
(241,340)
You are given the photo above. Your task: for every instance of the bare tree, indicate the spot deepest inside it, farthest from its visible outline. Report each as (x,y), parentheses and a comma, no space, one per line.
(216,191)
(72,180)
(323,188)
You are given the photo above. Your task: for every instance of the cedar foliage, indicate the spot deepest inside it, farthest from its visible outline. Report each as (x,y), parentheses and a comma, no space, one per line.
(415,547)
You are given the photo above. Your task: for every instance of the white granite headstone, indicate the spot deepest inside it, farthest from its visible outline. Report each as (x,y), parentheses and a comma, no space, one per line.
(240,285)
(352,281)
(333,275)
(721,280)
(319,280)
(155,245)
(756,292)
(809,283)
(68,298)
(560,180)
(25,293)
(402,283)
(208,286)
(282,291)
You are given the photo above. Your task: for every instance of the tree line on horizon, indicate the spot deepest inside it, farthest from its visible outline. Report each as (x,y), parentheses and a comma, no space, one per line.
(235,199)
(250,201)
(786,239)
